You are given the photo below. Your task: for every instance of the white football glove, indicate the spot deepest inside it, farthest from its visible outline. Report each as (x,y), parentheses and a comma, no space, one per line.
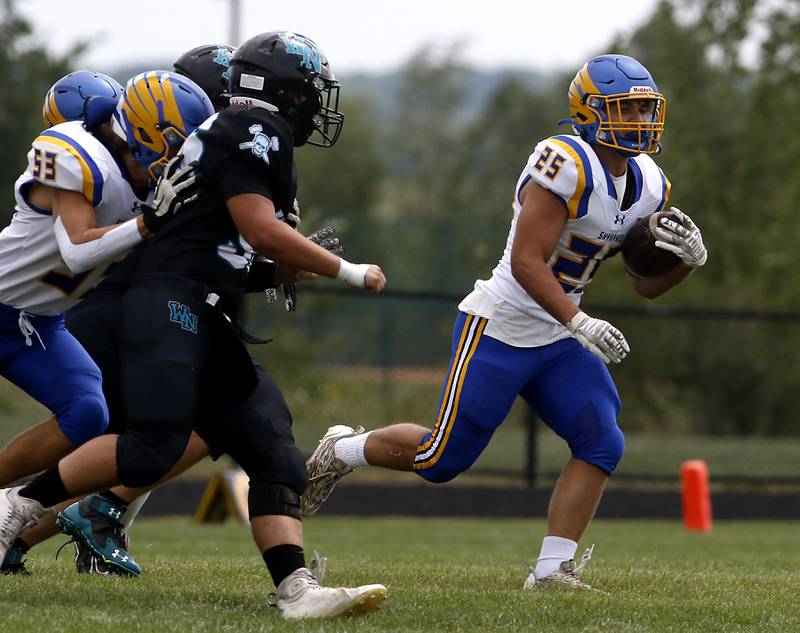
(686,242)
(599,337)
(170,194)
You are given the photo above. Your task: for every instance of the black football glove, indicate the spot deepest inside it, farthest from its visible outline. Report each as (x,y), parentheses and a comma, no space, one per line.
(175,189)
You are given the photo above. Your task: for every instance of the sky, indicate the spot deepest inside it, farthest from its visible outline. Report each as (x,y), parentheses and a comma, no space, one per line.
(355,35)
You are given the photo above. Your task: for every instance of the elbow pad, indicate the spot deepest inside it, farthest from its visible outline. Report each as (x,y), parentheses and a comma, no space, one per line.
(82,257)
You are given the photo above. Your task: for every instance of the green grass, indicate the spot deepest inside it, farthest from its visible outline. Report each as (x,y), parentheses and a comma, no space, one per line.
(316,405)
(443,575)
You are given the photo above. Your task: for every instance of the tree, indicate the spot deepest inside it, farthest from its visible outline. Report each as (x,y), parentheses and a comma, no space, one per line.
(29,71)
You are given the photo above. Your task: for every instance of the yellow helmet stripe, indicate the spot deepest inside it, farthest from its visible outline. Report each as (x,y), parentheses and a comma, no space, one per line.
(171,112)
(50,113)
(584,80)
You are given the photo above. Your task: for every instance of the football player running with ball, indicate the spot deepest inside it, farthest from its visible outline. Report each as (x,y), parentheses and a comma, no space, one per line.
(522,332)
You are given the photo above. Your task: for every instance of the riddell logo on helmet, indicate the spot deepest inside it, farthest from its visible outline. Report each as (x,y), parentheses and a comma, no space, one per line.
(641,89)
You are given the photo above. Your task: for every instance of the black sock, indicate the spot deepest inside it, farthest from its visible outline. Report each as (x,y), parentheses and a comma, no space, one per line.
(119,501)
(282,560)
(21,545)
(48,488)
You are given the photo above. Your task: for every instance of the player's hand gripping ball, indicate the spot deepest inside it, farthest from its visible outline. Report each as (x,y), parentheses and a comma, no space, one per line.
(643,248)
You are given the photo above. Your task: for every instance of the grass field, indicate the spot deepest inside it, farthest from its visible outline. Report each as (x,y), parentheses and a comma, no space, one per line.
(443,575)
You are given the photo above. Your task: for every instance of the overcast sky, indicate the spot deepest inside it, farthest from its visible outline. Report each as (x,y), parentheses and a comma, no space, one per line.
(355,35)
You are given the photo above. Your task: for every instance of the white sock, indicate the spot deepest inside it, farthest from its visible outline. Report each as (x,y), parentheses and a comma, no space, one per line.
(555,550)
(351,450)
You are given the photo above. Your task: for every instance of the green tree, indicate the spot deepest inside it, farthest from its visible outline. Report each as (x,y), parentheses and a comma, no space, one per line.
(30,70)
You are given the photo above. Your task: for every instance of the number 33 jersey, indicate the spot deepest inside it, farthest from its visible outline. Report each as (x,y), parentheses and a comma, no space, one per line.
(598,218)
(33,277)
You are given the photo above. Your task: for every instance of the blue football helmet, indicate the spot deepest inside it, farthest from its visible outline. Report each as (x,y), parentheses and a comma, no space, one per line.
(66,98)
(602,90)
(156,113)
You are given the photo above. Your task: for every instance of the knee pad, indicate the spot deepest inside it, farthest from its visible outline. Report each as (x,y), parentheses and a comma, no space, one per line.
(598,440)
(143,458)
(84,418)
(277,482)
(266,497)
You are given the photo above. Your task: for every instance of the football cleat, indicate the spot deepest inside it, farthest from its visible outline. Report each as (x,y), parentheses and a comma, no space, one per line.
(14,563)
(96,523)
(325,469)
(16,514)
(87,562)
(300,596)
(567,575)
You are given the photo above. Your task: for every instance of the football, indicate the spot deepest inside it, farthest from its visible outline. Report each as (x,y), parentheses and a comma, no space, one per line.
(639,251)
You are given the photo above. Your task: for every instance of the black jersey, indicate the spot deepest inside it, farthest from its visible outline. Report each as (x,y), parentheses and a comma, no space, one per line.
(240,150)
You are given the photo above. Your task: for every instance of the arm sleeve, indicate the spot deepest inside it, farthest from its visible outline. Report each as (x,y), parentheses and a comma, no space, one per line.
(82,257)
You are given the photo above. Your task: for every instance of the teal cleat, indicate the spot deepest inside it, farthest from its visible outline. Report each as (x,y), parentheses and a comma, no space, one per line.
(14,562)
(95,522)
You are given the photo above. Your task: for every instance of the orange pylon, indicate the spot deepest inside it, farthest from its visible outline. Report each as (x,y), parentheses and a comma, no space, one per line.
(696,496)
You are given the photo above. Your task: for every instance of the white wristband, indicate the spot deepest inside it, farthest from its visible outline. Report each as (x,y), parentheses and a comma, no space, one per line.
(353,274)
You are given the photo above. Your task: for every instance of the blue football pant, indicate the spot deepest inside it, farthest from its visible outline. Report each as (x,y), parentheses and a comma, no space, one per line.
(566,385)
(57,372)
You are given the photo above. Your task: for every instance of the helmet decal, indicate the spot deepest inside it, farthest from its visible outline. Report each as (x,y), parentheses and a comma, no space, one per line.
(305,48)
(157,112)
(291,74)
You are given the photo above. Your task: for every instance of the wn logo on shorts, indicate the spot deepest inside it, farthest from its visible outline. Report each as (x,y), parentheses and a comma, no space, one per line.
(179,313)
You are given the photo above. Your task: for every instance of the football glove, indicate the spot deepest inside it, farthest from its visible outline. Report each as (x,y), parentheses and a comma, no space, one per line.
(324,237)
(683,240)
(599,337)
(175,188)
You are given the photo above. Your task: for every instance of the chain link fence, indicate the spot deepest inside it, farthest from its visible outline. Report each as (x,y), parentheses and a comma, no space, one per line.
(718,385)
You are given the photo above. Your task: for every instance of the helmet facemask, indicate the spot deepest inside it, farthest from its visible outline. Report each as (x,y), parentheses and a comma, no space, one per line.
(637,137)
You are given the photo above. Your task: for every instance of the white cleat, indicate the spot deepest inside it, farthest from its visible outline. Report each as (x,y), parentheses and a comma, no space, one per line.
(301,596)
(16,515)
(567,575)
(325,469)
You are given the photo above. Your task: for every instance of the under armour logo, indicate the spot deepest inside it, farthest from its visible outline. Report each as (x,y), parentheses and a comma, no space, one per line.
(261,143)
(118,554)
(114,514)
(619,219)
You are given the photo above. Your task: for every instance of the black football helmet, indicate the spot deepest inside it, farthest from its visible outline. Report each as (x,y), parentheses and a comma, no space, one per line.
(209,67)
(291,73)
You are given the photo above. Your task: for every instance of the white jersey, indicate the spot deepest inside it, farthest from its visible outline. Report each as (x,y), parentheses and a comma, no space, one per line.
(596,225)
(33,277)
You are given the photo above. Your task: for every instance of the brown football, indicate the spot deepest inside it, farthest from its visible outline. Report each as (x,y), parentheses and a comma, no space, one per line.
(639,251)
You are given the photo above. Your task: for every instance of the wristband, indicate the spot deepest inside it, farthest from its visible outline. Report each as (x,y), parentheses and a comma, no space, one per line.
(353,274)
